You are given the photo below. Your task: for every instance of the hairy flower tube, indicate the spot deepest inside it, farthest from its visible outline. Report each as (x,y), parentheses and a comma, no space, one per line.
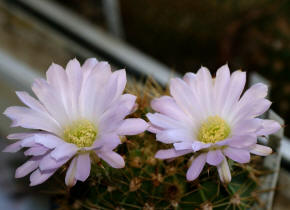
(78,111)
(211,118)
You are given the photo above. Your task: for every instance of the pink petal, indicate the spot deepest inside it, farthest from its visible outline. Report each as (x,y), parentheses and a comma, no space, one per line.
(52,100)
(65,150)
(38,177)
(164,122)
(27,167)
(36,151)
(132,126)
(214,157)
(224,171)
(57,78)
(83,167)
(171,153)
(190,78)
(221,84)
(153,129)
(238,155)
(186,99)
(70,179)
(20,135)
(197,145)
(260,150)
(48,140)
(49,163)
(235,89)
(240,141)
(28,118)
(248,126)
(182,145)
(252,98)
(204,86)
(268,127)
(75,77)
(91,100)
(108,141)
(112,158)
(111,119)
(196,167)
(28,142)
(175,135)
(30,101)
(110,92)
(89,64)
(167,106)
(15,147)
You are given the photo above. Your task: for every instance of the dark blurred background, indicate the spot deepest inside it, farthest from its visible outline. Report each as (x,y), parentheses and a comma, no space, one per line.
(252,35)
(147,37)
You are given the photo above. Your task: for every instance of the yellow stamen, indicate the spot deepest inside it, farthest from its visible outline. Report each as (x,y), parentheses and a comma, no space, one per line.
(81,133)
(214,129)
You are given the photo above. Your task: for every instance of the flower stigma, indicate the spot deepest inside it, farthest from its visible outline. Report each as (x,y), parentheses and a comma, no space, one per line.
(82,133)
(214,129)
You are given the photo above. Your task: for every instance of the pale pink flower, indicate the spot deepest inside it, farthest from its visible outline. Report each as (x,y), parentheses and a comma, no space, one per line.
(209,117)
(79,110)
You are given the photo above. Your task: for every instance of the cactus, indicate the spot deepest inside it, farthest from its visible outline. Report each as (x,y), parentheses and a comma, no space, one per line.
(148,183)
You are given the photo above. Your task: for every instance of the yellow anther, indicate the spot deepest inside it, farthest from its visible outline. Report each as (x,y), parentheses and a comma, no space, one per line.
(81,133)
(214,129)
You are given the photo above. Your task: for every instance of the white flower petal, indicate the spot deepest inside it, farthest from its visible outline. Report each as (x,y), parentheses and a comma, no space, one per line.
(175,135)
(89,64)
(30,101)
(132,126)
(235,89)
(108,142)
(204,87)
(38,177)
(224,171)
(260,150)
(47,140)
(221,85)
(36,151)
(112,158)
(196,167)
(164,122)
(268,127)
(113,117)
(186,99)
(167,106)
(63,151)
(182,145)
(51,99)
(238,155)
(197,145)
(27,168)
(242,141)
(14,136)
(57,78)
(214,157)
(83,167)
(28,118)
(15,147)
(171,153)
(70,179)
(49,163)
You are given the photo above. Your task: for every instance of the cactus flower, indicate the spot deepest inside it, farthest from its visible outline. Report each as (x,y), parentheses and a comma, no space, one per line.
(211,118)
(79,111)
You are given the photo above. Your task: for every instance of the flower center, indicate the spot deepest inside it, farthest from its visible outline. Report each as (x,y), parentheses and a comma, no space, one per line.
(81,133)
(214,129)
